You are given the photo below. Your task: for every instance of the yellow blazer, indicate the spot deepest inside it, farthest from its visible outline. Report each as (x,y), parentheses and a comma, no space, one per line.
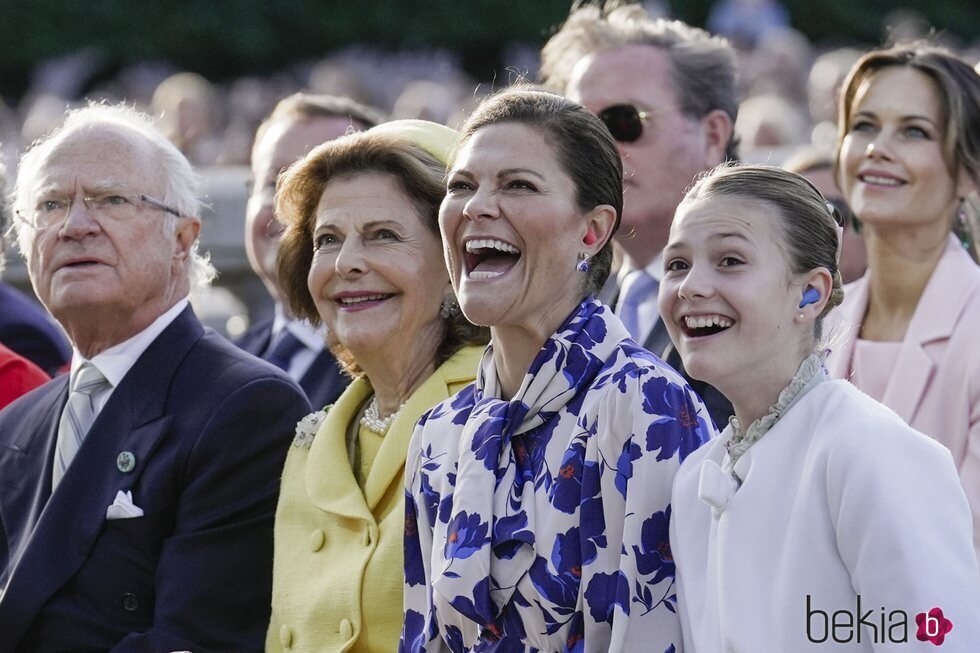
(338,566)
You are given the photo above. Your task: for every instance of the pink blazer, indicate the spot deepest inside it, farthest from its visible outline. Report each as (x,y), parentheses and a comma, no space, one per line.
(935,386)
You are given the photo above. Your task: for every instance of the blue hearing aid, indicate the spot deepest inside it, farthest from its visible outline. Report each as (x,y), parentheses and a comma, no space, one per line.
(811,296)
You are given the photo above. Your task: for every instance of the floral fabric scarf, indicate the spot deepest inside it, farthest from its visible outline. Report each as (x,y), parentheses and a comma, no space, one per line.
(527,525)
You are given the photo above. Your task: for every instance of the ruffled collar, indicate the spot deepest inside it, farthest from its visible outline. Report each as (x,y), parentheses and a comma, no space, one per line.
(811,372)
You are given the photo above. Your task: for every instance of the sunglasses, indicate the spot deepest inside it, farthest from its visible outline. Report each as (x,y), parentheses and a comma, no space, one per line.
(624,121)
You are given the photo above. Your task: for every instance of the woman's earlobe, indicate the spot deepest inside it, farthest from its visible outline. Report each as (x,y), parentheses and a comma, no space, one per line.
(965,185)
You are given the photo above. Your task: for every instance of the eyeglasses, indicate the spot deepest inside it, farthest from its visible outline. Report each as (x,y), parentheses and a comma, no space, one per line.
(624,121)
(52,211)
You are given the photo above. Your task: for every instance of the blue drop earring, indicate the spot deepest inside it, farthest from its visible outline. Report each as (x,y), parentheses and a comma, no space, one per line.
(583,263)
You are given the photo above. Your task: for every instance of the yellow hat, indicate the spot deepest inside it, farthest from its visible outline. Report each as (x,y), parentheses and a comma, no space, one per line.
(438,140)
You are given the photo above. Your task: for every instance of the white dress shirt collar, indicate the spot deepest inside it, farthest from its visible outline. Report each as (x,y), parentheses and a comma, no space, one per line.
(312,337)
(654,268)
(116,361)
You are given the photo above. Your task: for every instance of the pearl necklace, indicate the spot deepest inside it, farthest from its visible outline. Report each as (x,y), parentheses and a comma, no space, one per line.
(372,417)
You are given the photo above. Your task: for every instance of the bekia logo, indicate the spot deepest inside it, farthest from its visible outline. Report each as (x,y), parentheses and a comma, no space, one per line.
(933,626)
(878,626)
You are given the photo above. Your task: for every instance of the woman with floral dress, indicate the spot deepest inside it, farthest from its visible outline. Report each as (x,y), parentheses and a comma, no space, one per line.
(538,498)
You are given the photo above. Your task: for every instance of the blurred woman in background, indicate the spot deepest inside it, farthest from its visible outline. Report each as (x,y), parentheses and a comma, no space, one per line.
(908,156)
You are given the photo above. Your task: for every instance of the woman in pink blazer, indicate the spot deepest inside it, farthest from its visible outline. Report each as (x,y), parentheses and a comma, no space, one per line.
(908,155)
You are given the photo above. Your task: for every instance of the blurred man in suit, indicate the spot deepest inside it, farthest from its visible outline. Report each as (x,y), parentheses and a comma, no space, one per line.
(18,375)
(667,93)
(24,327)
(299,123)
(138,491)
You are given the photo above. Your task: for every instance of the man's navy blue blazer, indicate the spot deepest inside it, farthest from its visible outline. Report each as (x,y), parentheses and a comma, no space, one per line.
(26,328)
(322,383)
(209,427)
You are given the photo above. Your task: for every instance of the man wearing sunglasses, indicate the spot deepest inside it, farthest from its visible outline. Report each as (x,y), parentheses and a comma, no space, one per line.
(667,93)
(138,491)
(299,123)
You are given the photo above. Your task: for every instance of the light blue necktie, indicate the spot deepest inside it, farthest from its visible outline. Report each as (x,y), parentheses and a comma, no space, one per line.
(643,287)
(77,418)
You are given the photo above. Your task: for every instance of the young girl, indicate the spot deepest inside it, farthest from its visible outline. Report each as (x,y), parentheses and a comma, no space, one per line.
(818,516)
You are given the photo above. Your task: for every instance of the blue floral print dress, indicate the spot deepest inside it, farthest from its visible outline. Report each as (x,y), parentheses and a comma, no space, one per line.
(540,523)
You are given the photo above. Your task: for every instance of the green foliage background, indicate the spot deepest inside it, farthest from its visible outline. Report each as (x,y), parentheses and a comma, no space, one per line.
(228,38)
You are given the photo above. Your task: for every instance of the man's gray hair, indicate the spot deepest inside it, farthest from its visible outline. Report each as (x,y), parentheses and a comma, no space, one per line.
(182,183)
(702,66)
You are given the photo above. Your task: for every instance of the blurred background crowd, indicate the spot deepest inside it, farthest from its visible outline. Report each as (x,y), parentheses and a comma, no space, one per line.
(211,71)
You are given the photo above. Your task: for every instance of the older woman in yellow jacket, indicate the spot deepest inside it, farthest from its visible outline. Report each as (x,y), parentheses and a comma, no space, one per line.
(361,253)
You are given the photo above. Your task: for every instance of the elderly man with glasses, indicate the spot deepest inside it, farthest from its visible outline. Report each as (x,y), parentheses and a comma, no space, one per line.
(667,93)
(138,491)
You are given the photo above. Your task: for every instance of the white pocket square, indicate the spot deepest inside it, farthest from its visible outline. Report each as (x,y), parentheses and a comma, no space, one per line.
(123,507)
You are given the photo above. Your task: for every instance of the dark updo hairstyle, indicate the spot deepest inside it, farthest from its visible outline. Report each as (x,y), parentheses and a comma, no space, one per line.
(957,87)
(582,144)
(420,177)
(810,224)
